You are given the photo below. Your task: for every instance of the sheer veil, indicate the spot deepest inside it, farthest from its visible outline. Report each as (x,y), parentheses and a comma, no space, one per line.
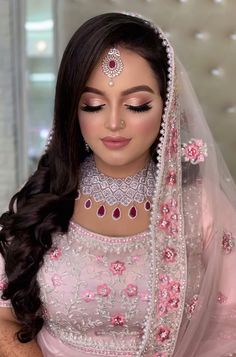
(192,312)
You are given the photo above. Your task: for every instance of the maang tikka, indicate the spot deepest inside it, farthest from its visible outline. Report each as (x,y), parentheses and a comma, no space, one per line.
(112,65)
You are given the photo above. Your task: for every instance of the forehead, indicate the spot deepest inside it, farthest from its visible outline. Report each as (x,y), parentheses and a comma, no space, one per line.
(136,71)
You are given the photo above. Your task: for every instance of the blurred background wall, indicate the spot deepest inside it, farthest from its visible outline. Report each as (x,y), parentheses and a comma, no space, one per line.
(34,33)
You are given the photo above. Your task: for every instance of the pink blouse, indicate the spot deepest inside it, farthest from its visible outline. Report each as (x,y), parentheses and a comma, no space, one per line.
(94,290)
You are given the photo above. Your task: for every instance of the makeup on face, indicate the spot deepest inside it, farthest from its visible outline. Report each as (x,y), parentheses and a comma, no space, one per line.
(137,99)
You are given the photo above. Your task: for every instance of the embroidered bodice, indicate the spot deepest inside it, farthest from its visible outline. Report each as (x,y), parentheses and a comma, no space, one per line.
(95,290)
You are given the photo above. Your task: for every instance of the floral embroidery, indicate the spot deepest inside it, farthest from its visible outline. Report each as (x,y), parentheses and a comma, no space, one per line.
(172,145)
(118,320)
(168,295)
(144,296)
(171,178)
(194,151)
(221,298)
(99,259)
(88,295)
(56,280)
(228,242)
(190,308)
(103,305)
(3,284)
(103,290)
(159,354)
(55,253)
(45,313)
(131,290)
(163,333)
(117,267)
(169,219)
(169,254)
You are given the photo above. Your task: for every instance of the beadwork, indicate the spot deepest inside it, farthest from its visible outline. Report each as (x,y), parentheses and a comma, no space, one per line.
(116,191)
(112,65)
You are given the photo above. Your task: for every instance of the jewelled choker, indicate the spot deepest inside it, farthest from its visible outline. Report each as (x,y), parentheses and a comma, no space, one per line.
(116,191)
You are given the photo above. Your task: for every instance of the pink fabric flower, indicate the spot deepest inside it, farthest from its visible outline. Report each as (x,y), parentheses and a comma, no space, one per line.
(56,280)
(169,254)
(163,333)
(3,284)
(195,151)
(103,290)
(55,253)
(228,242)
(118,320)
(131,290)
(88,295)
(117,267)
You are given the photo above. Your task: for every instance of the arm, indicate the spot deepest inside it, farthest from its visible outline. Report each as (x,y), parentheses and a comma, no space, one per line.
(9,345)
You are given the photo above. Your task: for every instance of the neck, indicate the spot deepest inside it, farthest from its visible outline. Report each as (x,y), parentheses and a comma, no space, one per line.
(122,171)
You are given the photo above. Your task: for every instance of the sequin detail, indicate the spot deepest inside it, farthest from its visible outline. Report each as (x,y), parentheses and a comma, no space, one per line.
(228,242)
(190,308)
(221,298)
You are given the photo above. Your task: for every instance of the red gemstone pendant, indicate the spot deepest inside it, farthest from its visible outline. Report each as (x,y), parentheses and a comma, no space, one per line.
(101,211)
(133,212)
(147,206)
(116,214)
(112,64)
(88,204)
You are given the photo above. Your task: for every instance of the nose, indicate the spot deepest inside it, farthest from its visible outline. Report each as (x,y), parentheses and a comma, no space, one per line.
(113,121)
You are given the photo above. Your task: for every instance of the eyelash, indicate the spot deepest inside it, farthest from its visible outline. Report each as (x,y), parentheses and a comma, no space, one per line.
(137,109)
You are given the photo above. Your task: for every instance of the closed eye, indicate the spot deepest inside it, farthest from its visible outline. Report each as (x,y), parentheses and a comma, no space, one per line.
(92,108)
(139,108)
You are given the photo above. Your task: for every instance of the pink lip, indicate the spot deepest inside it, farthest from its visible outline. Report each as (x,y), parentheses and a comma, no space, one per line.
(116,142)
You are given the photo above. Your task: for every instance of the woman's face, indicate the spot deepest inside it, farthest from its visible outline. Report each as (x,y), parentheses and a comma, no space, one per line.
(129,111)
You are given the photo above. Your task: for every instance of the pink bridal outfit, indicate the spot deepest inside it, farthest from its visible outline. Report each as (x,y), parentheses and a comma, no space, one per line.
(166,292)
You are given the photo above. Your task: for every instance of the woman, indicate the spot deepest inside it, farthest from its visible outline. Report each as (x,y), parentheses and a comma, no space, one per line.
(122,243)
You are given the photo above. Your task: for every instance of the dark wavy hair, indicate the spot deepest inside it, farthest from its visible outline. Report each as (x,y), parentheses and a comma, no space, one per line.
(45,204)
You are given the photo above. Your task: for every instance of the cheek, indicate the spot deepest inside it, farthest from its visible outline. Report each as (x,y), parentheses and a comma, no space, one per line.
(149,127)
(87,126)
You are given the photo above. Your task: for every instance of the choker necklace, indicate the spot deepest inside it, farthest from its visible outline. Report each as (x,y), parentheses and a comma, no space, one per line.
(116,191)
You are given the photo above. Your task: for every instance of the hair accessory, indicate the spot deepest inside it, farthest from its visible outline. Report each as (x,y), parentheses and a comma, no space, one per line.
(116,191)
(112,65)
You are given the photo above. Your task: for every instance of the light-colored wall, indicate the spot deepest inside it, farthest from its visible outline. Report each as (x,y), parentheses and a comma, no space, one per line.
(7,123)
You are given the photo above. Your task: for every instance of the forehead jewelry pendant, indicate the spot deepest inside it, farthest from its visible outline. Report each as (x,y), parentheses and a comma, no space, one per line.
(112,65)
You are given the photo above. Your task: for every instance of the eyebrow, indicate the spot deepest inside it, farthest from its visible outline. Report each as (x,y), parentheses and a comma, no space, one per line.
(142,88)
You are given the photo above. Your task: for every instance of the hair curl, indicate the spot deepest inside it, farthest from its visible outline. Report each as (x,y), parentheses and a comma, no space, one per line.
(45,204)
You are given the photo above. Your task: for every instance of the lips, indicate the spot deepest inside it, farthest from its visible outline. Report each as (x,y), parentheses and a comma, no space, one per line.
(115,142)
